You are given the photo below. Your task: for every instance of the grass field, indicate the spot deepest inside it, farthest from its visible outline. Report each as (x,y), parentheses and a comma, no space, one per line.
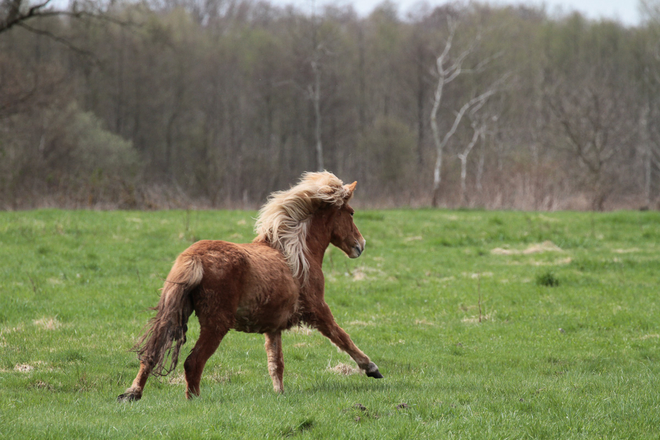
(484,324)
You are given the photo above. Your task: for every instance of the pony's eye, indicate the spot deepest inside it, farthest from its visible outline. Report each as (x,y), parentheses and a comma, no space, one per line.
(352,214)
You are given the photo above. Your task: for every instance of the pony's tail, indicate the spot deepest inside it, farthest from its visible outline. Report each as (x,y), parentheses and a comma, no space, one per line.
(166,332)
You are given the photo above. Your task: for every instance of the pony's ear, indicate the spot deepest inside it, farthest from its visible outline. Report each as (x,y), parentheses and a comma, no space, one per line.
(349,190)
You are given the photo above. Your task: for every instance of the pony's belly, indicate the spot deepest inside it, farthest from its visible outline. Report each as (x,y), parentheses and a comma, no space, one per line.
(266,315)
(267,293)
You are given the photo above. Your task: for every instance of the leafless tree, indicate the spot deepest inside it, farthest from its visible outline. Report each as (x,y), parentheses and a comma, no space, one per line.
(446,73)
(649,129)
(479,127)
(596,126)
(314,91)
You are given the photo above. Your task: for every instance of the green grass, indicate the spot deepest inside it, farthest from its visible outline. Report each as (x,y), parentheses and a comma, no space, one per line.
(477,336)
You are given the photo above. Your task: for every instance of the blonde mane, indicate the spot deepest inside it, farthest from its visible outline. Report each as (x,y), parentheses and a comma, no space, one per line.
(284,220)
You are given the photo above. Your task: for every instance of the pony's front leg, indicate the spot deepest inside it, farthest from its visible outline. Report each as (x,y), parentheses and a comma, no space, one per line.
(135,391)
(275,359)
(325,323)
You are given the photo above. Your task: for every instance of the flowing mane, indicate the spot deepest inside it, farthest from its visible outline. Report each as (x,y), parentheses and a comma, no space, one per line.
(284,219)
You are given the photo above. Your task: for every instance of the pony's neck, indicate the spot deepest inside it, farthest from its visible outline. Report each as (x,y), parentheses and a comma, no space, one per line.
(318,238)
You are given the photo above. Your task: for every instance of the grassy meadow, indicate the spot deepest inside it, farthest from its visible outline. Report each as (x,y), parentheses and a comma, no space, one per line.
(484,324)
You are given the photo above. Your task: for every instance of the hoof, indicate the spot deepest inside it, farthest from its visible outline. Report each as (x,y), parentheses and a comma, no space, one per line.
(129,397)
(375,374)
(372,371)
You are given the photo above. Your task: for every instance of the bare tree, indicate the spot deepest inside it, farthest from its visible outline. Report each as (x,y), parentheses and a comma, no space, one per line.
(649,130)
(479,127)
(314,89)
(594,119)
(314,93)
(649,138)
(446,74)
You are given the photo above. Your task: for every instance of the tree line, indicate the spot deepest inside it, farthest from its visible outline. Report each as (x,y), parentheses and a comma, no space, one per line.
(216,103)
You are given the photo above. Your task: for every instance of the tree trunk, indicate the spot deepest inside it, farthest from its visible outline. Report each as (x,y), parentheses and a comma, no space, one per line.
(648,150)
(439,145)
(463,158)
(316,98)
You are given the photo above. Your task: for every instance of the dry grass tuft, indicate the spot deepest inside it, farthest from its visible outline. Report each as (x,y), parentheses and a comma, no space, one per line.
(47,323)
(475,319)
(344,369)
(301,330)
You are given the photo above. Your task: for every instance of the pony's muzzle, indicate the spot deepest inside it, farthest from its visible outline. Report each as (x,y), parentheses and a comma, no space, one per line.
(358,249)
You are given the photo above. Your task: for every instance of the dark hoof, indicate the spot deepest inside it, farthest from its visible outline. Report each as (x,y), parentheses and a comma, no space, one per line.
(375,374)
(128,397)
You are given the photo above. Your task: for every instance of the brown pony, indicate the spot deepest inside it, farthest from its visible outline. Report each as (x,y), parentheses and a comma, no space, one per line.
(266,286)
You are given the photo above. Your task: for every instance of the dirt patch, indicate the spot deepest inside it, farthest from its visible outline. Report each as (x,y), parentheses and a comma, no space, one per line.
(23,368)
(626,251)
(361,323)
(474,276)
(546,246)
(359,275)
(363,272)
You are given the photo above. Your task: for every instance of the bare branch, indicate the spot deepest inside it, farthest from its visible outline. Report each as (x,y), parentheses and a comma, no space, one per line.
(450,38)
(459,116)
(60,40)
(15,16)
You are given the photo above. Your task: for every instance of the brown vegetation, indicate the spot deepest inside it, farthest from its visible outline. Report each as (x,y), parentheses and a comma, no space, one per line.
(215,104)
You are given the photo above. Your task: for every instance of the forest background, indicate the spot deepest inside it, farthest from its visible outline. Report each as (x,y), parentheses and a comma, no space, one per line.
(215,103)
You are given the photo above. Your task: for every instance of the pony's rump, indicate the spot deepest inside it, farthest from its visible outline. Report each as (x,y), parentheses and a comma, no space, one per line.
(166,332)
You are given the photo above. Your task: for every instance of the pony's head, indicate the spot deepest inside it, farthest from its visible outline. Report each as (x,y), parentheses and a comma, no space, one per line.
(343,232)
(284,221)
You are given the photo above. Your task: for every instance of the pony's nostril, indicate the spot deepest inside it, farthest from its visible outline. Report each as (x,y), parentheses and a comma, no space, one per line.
(358,249)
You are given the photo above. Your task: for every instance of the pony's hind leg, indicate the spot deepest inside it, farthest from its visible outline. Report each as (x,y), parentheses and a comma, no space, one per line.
(134,392)
(208,342)
(275,359)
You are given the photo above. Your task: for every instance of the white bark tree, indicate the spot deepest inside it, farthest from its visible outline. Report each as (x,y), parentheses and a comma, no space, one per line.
(446,73)
(479,127)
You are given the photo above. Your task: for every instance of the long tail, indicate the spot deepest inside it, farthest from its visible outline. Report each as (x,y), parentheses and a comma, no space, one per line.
(166,332)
